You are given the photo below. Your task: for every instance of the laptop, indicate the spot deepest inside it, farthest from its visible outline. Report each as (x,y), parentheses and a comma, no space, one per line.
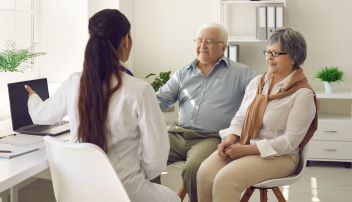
(21,120)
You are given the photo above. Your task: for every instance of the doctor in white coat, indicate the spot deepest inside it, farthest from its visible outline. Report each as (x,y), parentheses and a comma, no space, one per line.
(113,110)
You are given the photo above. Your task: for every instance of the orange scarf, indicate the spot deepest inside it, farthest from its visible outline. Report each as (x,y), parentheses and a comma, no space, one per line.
(254,116)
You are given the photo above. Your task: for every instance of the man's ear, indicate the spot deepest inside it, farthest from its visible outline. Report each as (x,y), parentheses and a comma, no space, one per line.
(225,47)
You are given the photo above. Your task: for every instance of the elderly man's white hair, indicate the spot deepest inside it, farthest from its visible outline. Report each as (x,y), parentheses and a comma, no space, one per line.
(223,32)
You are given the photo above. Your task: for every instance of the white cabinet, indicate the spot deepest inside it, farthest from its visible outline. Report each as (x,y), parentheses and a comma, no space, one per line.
(240,20)
(333,139)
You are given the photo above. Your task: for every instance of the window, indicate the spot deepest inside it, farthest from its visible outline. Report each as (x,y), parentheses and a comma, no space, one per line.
(17,19)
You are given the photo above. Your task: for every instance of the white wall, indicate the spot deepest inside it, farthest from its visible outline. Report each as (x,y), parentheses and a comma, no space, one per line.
(127,7)
(164,30)
(97,5)
(328,31)
(63,34)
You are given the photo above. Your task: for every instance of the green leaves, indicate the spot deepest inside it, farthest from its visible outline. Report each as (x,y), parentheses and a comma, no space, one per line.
(159,81)
(16,60)
(329,74)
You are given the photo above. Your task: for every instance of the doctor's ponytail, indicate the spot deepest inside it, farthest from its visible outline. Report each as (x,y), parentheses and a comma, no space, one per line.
(101,64)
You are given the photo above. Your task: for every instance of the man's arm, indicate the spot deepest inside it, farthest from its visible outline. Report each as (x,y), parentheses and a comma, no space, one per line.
(168,93)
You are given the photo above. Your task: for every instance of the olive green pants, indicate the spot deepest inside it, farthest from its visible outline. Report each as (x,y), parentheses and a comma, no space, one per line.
(193,147)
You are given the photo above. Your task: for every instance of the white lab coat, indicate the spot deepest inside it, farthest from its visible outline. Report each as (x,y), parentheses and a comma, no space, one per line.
(138,143)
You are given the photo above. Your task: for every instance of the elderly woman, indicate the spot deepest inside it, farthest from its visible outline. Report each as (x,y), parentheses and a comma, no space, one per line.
(277,117)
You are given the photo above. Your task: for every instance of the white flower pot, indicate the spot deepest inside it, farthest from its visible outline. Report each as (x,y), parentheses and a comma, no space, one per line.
(328,87)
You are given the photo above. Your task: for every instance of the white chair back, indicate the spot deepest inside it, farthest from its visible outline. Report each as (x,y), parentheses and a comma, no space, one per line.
(289,179)
(82,172)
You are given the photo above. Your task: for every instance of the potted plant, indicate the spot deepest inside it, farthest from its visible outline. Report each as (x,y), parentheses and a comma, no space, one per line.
(159,80)
(329,74)
(13,62)
(13,59)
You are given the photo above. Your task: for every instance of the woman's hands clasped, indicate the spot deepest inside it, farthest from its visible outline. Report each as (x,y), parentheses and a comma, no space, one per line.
(231,149)
(224,146)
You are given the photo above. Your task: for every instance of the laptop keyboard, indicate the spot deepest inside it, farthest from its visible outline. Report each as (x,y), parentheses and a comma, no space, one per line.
(39,128)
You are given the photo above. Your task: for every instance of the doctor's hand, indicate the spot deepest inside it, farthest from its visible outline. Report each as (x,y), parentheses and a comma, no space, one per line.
(229,140)
(29,90)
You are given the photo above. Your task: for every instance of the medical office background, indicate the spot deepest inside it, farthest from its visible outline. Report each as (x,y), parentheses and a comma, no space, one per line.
(163,33)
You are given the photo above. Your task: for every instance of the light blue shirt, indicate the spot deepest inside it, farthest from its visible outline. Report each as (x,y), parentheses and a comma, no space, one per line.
(206,103)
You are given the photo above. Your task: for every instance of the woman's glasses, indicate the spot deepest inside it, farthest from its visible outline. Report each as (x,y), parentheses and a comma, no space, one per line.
(273,53)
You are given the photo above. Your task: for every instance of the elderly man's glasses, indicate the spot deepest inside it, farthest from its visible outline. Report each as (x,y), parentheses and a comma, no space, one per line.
(273,53)
(207,42)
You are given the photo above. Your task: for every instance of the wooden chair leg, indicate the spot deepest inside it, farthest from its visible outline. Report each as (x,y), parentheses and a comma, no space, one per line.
(278,194)
(247,195)
(263,195)
(182,193)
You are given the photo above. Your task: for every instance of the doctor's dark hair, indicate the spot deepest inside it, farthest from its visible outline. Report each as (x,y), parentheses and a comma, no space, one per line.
(101,63)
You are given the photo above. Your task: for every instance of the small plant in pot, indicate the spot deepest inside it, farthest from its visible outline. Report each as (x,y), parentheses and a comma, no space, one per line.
(329,74)
(160,81)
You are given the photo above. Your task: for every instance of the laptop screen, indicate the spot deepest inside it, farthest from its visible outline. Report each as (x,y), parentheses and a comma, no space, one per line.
(19,97)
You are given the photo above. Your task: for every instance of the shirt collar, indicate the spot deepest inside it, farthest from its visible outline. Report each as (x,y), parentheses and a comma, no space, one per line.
(284,82)
(125,69)
(222,59)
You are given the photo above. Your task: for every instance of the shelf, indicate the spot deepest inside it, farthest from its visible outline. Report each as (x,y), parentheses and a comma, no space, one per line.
(334,118)
(345,95)
(252,2)
(240,18)
(244,39)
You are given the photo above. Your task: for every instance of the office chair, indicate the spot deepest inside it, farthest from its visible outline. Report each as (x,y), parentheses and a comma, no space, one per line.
(274,184)
(82,172)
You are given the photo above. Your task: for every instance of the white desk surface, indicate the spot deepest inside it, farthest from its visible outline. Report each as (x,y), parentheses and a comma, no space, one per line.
(21,168)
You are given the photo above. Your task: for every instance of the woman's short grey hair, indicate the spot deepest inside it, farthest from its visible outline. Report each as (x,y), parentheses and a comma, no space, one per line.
(223,32)
(291,42)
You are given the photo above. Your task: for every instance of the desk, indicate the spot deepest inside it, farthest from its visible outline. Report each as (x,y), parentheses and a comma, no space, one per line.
(18,169)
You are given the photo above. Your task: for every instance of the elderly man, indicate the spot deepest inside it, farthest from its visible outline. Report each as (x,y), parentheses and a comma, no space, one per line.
(209,92)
